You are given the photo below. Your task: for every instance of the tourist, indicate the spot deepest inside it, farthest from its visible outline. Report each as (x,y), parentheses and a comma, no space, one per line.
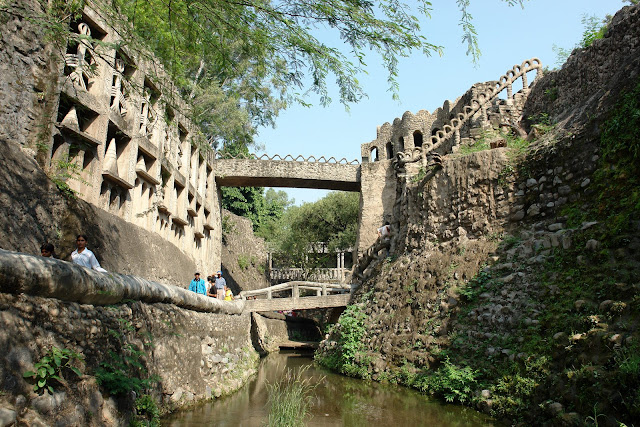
(384,232)
(197,285)
(220,283)
(47,250)
(228,295)
(83,256)
(211,287)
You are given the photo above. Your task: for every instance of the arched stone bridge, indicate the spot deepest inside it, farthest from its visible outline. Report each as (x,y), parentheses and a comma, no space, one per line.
(327,295)
(258,172)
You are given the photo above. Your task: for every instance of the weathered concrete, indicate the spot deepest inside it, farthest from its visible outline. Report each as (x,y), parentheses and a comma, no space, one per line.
(270,173)
(303,303)
(196,355)
(46,277)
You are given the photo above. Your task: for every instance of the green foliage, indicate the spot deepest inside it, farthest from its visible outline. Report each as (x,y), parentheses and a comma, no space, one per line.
(476,286)
(333,221)
(64,171)
(594,29)
(290,399)
(627,361)
(348,356)
(147,412)
(244,261)
(453,383)
(50,369)
(124,370)
(514,391)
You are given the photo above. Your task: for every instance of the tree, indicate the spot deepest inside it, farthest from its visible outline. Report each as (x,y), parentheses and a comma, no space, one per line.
(332,221)
(241,62)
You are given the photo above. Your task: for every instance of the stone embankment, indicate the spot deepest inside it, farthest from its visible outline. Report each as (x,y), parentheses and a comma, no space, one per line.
(189,347)
(512,282)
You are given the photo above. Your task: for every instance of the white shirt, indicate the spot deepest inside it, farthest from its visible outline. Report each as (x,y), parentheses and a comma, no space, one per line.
(86,258)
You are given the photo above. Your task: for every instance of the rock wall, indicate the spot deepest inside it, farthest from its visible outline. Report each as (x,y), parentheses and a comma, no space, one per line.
(25,65)
(522,269)
(196,356)
(33,211)
(244,256)
(591,79)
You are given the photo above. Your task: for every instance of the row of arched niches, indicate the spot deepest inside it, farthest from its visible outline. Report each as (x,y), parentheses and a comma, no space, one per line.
(493,104)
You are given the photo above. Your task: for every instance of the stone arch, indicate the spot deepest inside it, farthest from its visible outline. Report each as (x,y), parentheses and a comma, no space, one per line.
(389,150)
(417,139)
(374,154)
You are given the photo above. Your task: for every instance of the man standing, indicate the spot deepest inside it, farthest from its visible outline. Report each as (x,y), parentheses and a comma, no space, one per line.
(197,285)
(220,284)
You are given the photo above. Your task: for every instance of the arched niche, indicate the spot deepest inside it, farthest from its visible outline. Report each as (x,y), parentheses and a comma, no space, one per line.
(374,155)
(389,150)
(417,139)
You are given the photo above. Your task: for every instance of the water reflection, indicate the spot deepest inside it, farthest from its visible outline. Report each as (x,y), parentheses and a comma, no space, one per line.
(338,401)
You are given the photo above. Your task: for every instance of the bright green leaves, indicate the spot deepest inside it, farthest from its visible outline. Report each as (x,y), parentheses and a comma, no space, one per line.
(48,371)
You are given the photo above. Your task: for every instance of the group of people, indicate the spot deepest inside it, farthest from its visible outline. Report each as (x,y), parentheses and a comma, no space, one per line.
(80,256)
(215,287)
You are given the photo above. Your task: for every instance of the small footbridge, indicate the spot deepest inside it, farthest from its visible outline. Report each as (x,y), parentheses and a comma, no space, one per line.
(323,295)
(292,172)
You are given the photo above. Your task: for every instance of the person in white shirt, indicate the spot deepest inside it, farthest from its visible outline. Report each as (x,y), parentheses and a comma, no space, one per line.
(83,256)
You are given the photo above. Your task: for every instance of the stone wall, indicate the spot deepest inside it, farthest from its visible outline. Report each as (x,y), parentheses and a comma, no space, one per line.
(377,201)
(590,81)
(197,346)
(33,211)
(104,124)
(244,256)
(196,355)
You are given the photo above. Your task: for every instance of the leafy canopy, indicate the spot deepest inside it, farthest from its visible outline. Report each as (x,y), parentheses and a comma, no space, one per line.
(241,62)
(332,221)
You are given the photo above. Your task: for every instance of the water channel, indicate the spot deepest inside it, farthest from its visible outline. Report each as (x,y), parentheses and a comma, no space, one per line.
(338,401)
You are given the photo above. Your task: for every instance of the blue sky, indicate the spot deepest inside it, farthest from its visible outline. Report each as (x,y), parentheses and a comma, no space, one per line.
(507,36)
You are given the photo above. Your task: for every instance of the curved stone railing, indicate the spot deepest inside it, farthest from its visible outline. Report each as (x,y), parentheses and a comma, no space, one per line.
(322,289)
(288,157)
(317,275)
(368,256)
(478,102)
(52,278)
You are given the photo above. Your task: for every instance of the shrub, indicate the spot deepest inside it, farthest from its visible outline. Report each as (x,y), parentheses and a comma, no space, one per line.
(452,382)
(49,370)
(348,356)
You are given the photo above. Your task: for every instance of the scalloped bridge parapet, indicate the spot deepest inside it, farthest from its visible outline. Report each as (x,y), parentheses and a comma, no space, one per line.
(290,174)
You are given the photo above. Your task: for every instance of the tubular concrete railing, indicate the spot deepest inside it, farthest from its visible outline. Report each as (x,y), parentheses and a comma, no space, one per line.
(478,102)
(322,289)
(52,278)
(368,256)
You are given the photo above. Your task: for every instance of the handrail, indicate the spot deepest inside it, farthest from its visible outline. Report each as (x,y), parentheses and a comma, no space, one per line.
(479,101)
(288,157)
(325,287)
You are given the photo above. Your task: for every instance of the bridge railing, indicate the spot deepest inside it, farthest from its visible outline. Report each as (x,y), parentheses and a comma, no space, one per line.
(321,289)
(287,158)
(478,103)
(334,275)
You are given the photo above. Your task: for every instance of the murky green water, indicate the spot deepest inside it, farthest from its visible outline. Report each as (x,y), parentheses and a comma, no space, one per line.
(338,401)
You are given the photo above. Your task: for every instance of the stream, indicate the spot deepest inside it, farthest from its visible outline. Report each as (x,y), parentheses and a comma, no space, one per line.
(338,401)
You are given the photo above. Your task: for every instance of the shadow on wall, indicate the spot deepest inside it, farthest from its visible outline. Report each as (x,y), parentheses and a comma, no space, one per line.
(34,211)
